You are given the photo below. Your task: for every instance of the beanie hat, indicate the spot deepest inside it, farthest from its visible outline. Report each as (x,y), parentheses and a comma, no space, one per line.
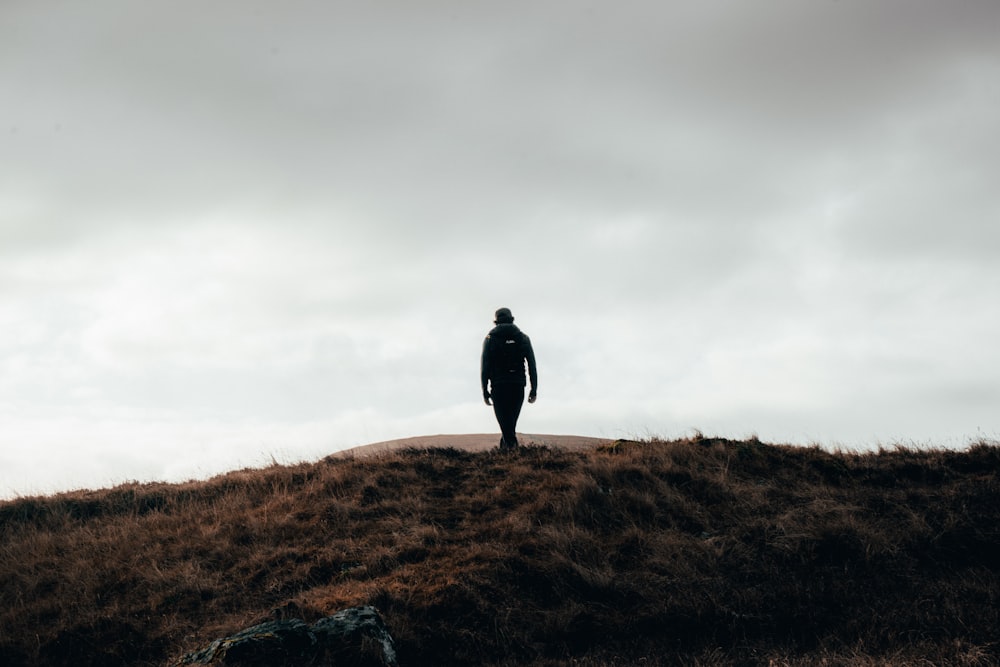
(503,316)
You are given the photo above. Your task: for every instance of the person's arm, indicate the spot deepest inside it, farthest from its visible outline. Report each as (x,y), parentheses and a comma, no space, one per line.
(529,354)
(484,370)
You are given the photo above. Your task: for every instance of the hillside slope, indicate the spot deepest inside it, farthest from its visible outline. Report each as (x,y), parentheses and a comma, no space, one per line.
(695,552)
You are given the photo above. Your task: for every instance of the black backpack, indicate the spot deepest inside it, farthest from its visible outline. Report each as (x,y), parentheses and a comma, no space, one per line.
(507,353)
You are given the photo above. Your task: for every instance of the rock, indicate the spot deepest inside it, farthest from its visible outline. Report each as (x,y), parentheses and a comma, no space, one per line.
(356,636)
(272,643)
(356,628)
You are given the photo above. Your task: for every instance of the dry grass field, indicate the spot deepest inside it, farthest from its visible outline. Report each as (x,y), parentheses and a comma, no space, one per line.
(691,552)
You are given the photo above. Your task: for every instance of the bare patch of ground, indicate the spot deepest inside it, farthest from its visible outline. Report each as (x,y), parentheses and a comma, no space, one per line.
(477,442)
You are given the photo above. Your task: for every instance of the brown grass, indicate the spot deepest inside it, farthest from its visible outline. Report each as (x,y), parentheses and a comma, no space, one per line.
(692,552)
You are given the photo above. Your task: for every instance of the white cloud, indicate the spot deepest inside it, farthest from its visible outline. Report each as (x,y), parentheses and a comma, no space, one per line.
(290,227)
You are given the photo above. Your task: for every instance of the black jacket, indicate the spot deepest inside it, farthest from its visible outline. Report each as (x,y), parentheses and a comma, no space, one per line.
(501,364)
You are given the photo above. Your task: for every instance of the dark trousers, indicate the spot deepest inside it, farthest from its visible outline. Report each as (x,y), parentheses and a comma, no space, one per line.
(507,402)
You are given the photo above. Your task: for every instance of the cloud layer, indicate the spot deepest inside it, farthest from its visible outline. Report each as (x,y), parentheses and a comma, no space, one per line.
(246,230)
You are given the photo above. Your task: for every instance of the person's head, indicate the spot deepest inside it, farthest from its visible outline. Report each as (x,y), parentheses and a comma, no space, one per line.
(503,316)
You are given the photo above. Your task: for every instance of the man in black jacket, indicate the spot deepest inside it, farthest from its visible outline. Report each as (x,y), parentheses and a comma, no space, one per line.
(501,372)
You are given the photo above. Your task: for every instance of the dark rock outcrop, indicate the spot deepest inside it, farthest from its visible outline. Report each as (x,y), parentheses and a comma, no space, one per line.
(355,636)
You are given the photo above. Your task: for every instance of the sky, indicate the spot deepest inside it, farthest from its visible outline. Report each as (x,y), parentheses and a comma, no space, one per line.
(234,233)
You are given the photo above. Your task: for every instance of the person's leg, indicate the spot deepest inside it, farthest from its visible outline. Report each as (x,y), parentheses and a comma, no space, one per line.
(516,402)
(507,402)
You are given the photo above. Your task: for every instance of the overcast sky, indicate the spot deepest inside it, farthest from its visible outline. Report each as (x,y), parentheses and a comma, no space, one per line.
(232,231)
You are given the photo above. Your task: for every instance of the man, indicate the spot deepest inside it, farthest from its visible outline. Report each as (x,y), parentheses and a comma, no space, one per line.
(501,372)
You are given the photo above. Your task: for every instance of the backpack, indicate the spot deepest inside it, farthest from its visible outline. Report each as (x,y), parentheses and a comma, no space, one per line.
(507,354)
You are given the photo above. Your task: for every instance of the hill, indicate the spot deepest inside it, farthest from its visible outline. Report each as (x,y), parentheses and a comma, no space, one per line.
(689,552)
(477,442)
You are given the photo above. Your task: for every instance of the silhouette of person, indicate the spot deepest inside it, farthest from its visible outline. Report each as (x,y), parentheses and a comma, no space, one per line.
(501,372)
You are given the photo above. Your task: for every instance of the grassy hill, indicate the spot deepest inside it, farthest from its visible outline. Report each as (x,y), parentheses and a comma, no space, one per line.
(691,552)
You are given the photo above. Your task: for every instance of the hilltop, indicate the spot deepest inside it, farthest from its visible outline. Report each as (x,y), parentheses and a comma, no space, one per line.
(477,442)
(700,551)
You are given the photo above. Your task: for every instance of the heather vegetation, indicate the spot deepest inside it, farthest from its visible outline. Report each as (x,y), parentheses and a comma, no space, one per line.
(691,552)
